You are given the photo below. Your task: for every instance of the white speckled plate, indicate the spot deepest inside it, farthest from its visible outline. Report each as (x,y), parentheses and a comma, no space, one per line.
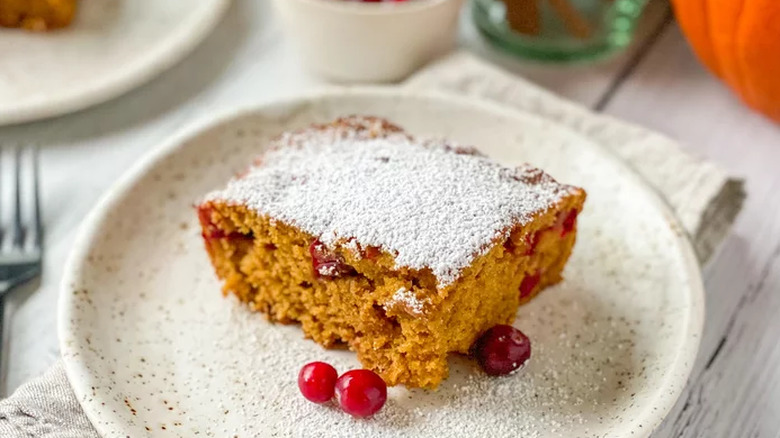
(111,47)
(153,349)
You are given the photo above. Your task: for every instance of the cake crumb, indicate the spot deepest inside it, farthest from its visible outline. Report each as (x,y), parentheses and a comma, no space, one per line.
(408,300)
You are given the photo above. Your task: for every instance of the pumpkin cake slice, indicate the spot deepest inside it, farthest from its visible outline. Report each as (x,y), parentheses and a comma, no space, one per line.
(404,250)
(37,15)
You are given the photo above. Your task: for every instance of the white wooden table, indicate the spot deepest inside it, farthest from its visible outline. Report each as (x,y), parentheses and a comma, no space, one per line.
(735,387)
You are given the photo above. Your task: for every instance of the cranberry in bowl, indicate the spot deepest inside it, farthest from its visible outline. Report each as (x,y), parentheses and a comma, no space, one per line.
(370,41)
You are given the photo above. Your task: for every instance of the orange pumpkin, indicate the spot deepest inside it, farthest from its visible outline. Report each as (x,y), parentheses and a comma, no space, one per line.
(739,41)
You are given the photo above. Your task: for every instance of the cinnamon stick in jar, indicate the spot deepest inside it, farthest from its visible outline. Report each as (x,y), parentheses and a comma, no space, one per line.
(523,16)
(575,23)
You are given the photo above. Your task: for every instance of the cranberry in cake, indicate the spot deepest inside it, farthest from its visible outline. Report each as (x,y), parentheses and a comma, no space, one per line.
(404,250)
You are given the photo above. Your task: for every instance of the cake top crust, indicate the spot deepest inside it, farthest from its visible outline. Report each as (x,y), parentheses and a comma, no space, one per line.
(361,181)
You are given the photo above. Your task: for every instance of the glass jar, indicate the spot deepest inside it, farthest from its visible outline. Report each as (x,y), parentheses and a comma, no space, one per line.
(558,30)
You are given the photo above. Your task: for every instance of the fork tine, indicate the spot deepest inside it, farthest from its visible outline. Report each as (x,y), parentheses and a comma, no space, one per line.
(2,231)
(18,230)
(37,225)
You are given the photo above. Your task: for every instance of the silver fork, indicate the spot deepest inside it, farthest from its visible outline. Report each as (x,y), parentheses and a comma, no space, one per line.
(21,247)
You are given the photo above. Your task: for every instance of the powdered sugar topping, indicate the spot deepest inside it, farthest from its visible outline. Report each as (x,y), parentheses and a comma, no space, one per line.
(432,205)
(407,300)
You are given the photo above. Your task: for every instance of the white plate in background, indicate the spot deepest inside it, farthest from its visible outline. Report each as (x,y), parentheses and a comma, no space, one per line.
(111,47)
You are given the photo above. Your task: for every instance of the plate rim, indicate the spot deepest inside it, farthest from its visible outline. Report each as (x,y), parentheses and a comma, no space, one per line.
(679,371)
(151,64)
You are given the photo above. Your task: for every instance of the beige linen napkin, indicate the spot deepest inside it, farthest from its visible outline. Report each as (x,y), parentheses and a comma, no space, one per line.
(704,197)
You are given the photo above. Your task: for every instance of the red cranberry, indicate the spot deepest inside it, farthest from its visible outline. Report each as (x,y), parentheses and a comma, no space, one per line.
(372,252)
(509,246)
(317,381)
(210,231)
(567,222)
(502,349)
(361,393)
(326,263)
(528,284)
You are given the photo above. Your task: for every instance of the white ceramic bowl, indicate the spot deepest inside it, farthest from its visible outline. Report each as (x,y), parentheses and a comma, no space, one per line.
(349,41)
